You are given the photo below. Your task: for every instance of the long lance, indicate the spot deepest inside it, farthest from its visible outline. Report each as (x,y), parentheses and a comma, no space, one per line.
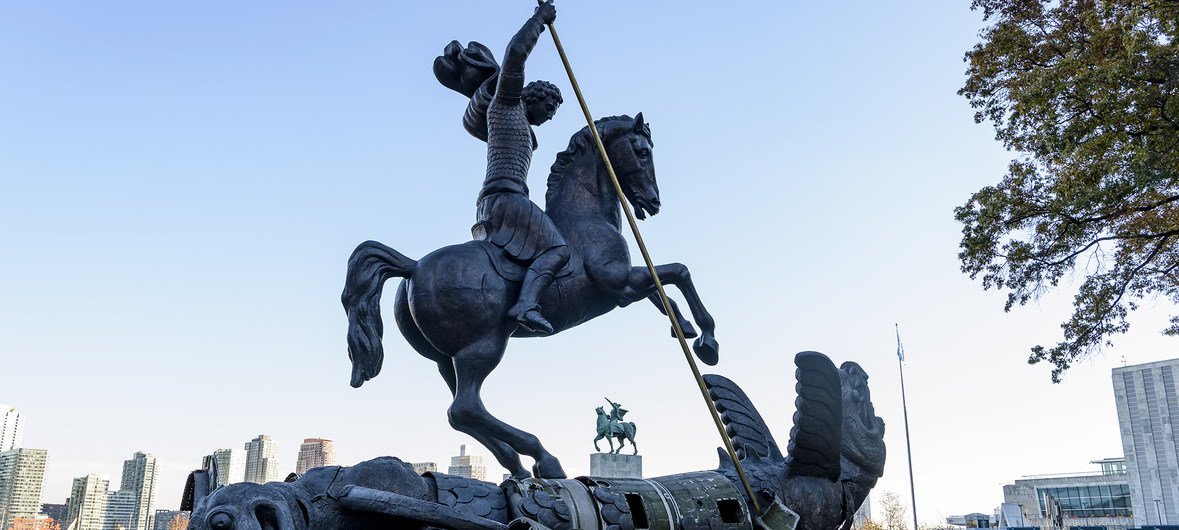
(667,309)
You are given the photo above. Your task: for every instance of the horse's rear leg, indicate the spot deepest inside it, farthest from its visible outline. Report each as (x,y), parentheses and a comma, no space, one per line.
(468,414)
(413,335)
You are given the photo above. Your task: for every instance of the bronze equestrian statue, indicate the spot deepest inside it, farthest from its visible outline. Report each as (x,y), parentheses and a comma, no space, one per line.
(611,427)
(529,272)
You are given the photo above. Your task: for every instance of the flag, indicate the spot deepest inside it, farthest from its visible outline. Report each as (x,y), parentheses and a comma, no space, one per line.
(900,347)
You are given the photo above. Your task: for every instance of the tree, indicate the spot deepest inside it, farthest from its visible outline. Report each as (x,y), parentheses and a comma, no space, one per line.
(894,511)
(179,522)
(868,524)
(34,523)
(1087,92)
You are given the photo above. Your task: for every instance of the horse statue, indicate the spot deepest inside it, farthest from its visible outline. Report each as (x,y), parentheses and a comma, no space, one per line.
(452,304)
(621,430)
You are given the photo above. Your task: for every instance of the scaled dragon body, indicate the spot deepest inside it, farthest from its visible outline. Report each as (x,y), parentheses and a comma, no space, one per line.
(834,457)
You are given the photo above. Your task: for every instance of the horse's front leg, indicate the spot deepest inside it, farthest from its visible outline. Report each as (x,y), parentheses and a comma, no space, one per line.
(640,285)
(685,324)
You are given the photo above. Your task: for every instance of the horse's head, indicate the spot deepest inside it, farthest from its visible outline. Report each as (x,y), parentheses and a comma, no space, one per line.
(629,148)
(628,144)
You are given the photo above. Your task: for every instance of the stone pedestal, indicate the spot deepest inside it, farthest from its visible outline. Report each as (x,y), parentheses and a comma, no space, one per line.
(609,465)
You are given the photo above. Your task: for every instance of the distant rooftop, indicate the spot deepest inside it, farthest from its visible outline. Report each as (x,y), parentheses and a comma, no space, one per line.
(1109,466)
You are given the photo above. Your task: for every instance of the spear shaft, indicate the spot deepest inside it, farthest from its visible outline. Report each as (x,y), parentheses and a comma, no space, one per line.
(667,308)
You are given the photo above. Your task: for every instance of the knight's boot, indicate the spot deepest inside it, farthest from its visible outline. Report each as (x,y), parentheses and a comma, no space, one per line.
(527,308)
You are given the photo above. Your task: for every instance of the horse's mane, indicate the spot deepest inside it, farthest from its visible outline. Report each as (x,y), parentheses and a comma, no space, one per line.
(581,141)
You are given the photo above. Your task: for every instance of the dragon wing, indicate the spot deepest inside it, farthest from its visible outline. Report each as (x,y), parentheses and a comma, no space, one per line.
(742,421)
(816,436)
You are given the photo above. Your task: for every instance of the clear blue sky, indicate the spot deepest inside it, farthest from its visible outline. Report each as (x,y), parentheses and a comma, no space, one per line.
(181,184)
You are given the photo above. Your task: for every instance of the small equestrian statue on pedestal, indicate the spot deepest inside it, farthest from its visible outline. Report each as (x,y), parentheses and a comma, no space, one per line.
(611,426)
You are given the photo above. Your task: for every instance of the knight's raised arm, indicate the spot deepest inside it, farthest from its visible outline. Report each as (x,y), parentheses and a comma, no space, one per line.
(511,79)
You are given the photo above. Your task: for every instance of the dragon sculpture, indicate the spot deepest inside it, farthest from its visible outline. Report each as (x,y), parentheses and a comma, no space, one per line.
(834,457)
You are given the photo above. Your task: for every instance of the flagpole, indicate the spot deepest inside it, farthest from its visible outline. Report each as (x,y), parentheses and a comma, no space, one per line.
(905,409)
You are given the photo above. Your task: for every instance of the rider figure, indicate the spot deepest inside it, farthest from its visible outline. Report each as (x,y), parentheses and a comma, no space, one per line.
(506,216)
(616,414)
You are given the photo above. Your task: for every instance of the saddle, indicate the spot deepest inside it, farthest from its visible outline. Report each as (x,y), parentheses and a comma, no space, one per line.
(512,269)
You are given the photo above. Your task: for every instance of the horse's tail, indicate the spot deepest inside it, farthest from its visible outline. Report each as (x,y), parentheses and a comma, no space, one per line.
(369,266)
(630,430)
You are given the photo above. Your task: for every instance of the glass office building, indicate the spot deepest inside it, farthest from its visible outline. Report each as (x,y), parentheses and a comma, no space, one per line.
(1085,499)
(1105,500)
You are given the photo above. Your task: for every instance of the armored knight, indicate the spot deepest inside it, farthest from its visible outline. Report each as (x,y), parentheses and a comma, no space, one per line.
(506,216)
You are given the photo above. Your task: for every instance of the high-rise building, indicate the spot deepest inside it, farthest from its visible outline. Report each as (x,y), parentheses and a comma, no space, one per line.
(468,466)
(57,512)
(223,468)
(11,428)
(22,473)
(133,504)
(315,452)
(261,460)
(87,502)
(170,520)
(1148,418)
(120,510)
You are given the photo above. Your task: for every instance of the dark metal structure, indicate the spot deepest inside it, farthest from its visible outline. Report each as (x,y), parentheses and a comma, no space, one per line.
(834,457)
(528,272)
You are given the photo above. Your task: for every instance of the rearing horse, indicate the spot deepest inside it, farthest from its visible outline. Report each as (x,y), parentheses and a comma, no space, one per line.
(452,305)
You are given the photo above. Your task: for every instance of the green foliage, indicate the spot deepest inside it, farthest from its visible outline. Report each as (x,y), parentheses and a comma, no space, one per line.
(1087,92)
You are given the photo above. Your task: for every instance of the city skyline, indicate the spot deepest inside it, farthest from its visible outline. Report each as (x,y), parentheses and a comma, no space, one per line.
(137,489)
(185,182)
(138,472)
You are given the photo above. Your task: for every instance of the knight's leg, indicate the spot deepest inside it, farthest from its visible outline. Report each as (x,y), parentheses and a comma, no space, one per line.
(468,414)
(540,275)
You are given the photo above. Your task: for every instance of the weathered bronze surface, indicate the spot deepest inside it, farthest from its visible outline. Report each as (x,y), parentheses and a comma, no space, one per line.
(835,455)
(611,427)
(528,272)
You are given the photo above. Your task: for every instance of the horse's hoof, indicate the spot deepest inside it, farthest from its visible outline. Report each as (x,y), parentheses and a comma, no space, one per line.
(548,468)
(707,350)
(686,327)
